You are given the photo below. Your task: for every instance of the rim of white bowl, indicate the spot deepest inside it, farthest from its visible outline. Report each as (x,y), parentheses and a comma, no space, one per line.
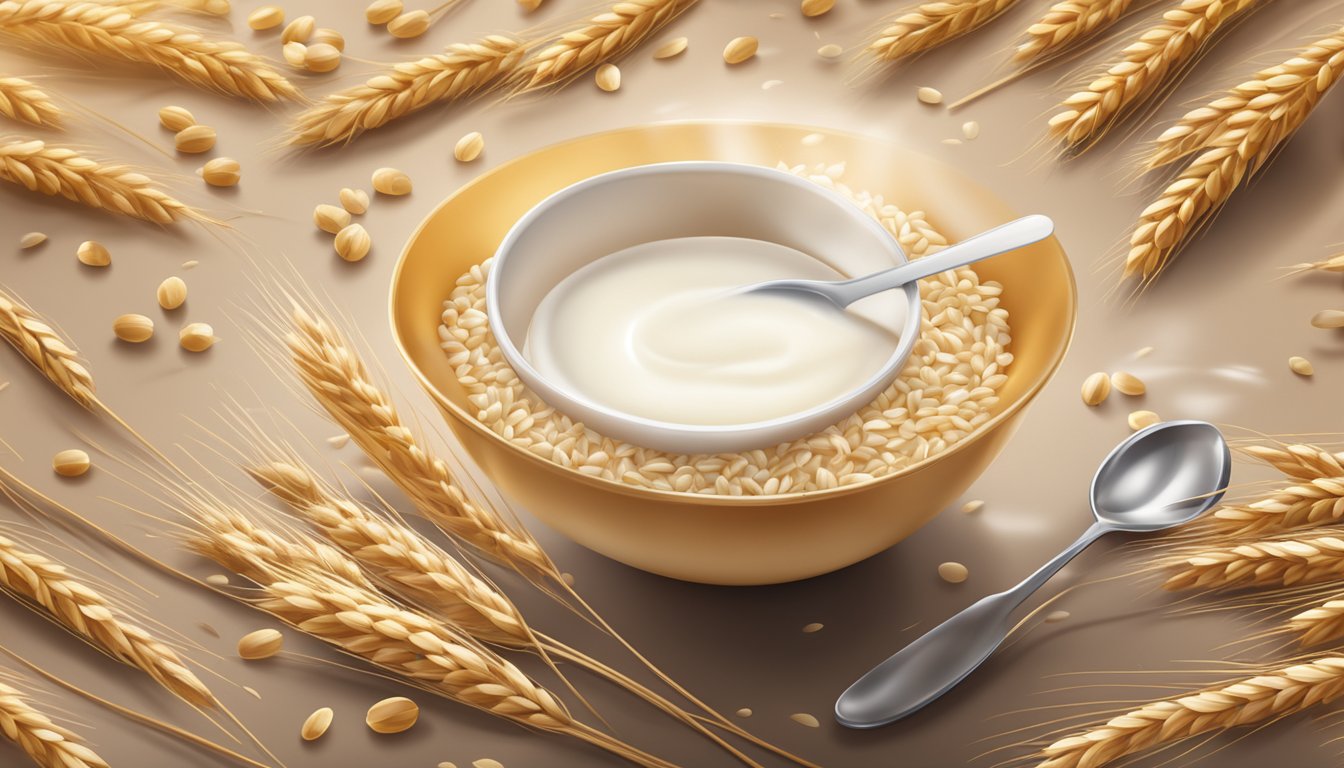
(858,396)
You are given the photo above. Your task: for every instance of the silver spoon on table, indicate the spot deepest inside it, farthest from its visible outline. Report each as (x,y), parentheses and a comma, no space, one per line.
(1160,477)
(1007,237)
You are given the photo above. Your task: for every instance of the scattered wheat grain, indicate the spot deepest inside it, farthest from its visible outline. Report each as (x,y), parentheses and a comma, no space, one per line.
(355,201)
(266,17)
(321,57)
(470,146)
(1144,352)
(744,712)
(927,95)
(393,715)
(352,243)
(316,725)
(331,218)
(802,718)
(217,580)
(222,172)
(195,139)
(338,441)
(408,25)
(71,462)
(830,51)
(953,572)
(390,181)
(32,240)
(1301,366)
(329,36)
(1096,388)
(295,54)
(672,48)
(172,293)
(972,506)
(739,49)
(813,8)
(970,130)
(608,77)
(261,644)
(1142,420)
(133,328)
(299,30)
(486,762)
(1328,318)
(1128,384)
(815,626)
(1054,617)
(197,337)
(92,253)
(382,11)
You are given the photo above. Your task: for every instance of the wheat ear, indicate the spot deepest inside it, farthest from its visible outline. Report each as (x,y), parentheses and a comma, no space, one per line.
(459,72)
(59,171)
(419,572)
(1311,503)
(22,101)
(1142,69)
(929,25)
(109,31)
(1284,562)
(1236,150)
(82,610)
(1068,23)
(604,37)
(1300,461)
(1250,701)
(360,621)
(334,374)
(48,744)
(1333,264)
(52,354)
(1286,92)
(1320,624)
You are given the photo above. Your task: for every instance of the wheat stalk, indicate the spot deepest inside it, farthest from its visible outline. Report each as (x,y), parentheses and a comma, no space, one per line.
(48,744)
(1287,91)
(1142,69)
(931,24)
(1243,145)
(22,101)
(1320,624)
(1284,562)
(416,569)
(1333,264)
(82,610)
(59,171)
(302,592)
(109,31)
(1258,699)
(1300,461)
(52,354)
(1311,503)
(332,371)
(1067,23)
(604,37)
(461,71)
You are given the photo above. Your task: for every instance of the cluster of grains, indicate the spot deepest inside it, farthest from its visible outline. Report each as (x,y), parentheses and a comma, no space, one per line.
(949,387)
(352,241)
(304,45)
(1097,387)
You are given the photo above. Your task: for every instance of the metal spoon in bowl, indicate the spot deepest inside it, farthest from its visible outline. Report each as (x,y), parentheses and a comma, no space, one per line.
(842,293)
(1160,477)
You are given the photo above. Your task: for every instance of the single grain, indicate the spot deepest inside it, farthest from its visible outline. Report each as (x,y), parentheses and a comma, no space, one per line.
(739,49)
(352,243)
(197,337)
(390,181)
(92,253)
(176,119)
(355,201)
(71,463)
(133,328)
(470,146)
(1096,388)
(195,139)
(393,715)
(172,293)
(953,572)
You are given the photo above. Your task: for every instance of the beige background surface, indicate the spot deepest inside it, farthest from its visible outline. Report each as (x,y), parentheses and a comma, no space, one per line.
(1222,326)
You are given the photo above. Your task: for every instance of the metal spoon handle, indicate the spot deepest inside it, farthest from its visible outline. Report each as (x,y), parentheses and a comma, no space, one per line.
(932,665)
(1001,239)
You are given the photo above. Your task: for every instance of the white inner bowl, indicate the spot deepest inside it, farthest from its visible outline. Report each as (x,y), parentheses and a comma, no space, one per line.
(614,211)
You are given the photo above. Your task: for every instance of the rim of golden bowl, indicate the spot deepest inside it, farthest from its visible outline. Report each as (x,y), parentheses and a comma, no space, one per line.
(686,497)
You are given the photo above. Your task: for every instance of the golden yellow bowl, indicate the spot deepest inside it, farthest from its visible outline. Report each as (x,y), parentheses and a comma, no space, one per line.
(720,539)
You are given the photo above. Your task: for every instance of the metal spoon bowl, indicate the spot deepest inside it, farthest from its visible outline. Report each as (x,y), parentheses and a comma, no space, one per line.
(1158,478)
